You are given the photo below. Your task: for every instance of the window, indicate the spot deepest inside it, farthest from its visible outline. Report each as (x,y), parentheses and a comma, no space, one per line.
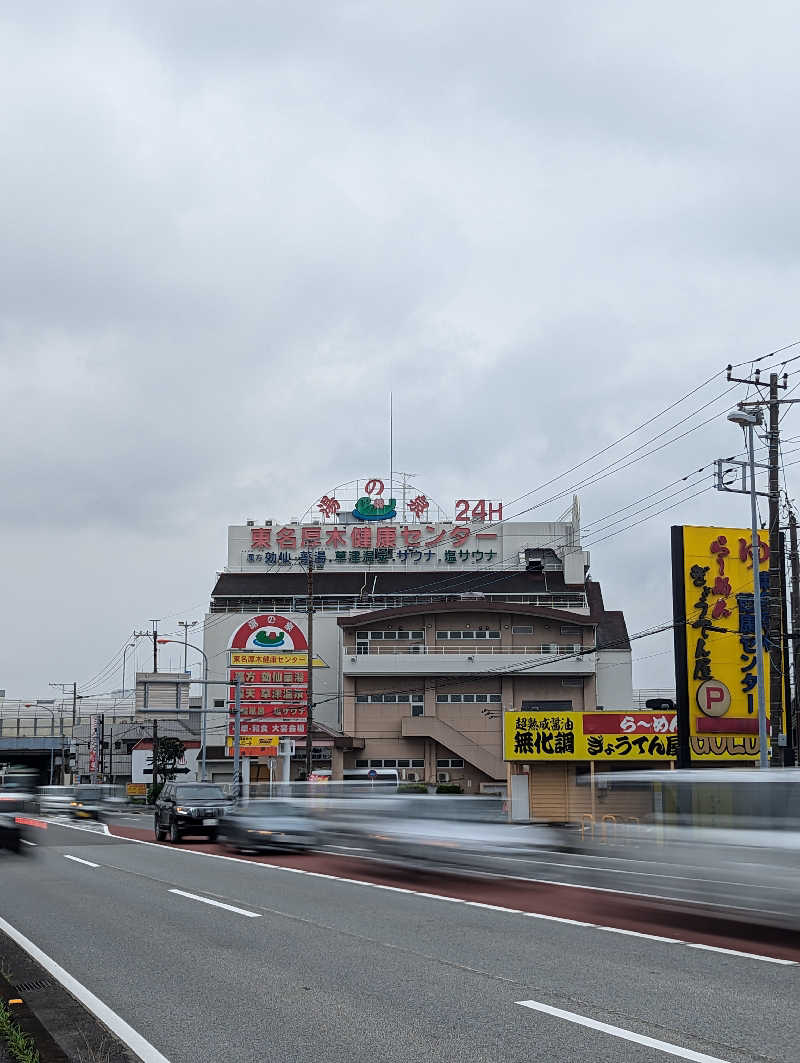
(493,634)
(417,763)
(416,710)
(404,763)
(546,706)
(418,697)
(376,635)
(453,762)
(455,634)
(572,682)
(442,634)
(390,699)
(522,629)
(388,635)
(480,635)
(417,634)
(376,763)
(570,629)
(403,634)
(403,697)
(362,763)
(362,636)
(362,647)
(360,700)
(442,763)
(390,763)
(219,703)
(457,699)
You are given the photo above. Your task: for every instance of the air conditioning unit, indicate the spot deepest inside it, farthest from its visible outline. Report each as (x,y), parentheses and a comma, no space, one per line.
(251,524)
(443,776)
(408,775)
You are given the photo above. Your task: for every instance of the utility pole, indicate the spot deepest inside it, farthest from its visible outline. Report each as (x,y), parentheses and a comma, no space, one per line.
(794,563)
(155,757)
(150,635)
(310,618)
(775,640)
(186,624)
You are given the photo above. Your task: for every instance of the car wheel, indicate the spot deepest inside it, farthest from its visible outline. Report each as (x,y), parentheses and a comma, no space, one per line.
(161,834)
(174,833)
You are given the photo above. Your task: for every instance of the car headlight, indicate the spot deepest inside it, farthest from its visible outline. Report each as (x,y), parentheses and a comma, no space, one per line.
(182,811)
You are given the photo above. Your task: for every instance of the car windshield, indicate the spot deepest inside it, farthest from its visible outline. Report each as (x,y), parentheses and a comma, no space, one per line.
(200,793)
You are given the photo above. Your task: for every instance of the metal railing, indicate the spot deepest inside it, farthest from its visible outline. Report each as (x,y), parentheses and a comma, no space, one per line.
(544,650)
(239,603)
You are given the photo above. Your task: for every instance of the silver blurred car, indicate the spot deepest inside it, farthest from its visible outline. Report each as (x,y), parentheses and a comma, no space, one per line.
(463,834)
(725,839)
(270,824)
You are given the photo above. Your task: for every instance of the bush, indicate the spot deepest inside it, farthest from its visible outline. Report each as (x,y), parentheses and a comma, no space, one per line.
(412,788)
(449,788)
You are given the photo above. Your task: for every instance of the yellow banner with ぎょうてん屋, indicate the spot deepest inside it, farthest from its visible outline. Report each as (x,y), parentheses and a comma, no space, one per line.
(552,736)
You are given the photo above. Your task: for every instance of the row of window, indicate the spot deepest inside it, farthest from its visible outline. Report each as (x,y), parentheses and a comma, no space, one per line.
(391,763)
(389,699)
(477,634)
(452,762)
(468,699)
(388,636)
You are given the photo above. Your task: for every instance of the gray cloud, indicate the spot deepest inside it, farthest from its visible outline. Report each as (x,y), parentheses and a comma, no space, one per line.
(229,232)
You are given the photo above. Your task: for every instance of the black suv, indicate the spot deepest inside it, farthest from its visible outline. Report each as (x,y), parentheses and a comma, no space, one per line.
(189,808)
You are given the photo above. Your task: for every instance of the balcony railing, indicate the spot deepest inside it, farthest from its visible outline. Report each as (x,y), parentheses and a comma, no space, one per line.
(544,650)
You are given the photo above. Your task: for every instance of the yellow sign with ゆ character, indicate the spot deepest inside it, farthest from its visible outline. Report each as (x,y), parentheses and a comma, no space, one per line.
(552,736)
(262,741)
(715,638)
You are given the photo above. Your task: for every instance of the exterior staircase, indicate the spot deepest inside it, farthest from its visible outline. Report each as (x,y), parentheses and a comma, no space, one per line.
(456,742)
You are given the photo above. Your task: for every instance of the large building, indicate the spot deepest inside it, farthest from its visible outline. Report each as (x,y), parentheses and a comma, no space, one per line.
(426,630)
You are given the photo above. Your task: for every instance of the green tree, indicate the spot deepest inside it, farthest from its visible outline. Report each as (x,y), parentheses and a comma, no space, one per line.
(170,751)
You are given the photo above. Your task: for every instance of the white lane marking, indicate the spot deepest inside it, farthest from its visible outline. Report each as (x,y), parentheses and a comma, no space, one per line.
(26,842)
(146,1052)
(625,1035)
(217,904)
(471,904)
(78,860)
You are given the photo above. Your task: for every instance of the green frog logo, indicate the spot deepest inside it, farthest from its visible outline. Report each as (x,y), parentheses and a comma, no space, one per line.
(367,508)
(268,640)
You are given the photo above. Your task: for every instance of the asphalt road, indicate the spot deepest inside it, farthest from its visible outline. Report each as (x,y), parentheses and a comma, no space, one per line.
(291,965)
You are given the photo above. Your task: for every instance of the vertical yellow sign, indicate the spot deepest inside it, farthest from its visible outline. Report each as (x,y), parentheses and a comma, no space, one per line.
(720,636)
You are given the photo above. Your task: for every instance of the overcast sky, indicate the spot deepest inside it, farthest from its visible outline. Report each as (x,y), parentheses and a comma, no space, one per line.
(229,230)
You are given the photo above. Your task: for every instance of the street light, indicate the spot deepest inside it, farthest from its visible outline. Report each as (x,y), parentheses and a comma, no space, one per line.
(130,646)
(748,419)
(205,700)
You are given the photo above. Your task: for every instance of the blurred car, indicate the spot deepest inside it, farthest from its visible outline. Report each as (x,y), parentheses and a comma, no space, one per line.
(18,793)
(190,808)
(90,801)
(461,833)
(10,833)
(726,839)
(56,798)
(270,824)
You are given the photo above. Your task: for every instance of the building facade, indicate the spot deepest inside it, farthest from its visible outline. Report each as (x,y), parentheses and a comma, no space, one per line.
(425,632)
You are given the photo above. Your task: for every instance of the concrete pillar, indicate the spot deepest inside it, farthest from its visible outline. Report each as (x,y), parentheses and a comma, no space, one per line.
(337,765)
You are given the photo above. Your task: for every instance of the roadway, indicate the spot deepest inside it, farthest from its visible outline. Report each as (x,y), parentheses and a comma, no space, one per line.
(314,957)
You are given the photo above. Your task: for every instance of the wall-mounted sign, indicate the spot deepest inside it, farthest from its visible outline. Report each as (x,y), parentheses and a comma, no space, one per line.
(715,638)
(552,736)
